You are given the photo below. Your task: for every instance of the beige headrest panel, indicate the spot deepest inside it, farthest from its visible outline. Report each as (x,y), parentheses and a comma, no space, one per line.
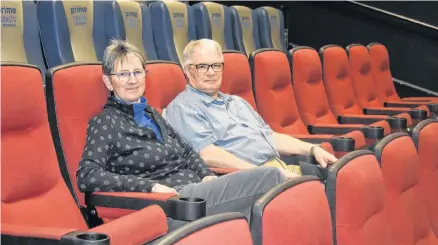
(274,18)
(247,28)
(80,24)
(217,22)
(12,45)
(132,20)
(180,26)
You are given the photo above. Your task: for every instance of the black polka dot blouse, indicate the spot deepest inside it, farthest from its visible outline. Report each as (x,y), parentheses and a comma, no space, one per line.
(121,156)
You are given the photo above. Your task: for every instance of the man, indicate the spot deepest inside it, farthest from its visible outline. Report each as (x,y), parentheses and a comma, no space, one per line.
(223,128)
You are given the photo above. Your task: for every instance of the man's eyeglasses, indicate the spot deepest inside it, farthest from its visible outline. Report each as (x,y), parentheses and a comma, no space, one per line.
(202,68)
(124,76)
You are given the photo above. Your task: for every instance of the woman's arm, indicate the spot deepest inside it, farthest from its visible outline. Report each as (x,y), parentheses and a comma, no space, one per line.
(92,174)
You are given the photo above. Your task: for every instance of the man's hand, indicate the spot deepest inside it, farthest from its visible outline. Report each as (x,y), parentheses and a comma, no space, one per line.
(289,174)
(323,157)
(158,188)
(207,178)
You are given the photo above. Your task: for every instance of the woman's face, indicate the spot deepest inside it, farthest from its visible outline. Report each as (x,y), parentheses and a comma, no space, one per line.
(128,79)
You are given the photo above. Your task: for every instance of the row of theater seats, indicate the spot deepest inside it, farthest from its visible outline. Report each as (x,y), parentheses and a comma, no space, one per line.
(70,31)
(385,196)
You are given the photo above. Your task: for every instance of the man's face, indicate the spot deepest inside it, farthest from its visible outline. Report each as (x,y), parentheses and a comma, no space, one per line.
(205,70)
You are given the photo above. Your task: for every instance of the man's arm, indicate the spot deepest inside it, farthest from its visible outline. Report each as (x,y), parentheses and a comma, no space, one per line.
(216,157)
(288,145)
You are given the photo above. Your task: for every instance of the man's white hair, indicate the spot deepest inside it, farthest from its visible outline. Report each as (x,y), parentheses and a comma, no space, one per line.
(193,46)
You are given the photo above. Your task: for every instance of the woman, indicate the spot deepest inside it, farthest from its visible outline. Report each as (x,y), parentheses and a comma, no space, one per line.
(131,148)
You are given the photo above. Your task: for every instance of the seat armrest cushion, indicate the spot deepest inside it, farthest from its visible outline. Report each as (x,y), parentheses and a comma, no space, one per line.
(140,227)
(26,234)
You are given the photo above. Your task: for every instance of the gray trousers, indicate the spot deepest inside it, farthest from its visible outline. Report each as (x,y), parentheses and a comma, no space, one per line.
(235,192)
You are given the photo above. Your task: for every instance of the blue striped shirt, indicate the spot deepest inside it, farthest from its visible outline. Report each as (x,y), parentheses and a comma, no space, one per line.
(228,122)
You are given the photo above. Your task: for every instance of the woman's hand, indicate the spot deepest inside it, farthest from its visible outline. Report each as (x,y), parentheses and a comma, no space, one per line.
(158,188)
(207,178)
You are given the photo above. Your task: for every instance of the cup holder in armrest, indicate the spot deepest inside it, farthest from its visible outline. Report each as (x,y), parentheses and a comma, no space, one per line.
(417,114)
(85,238)
(433,108)
(397,122)
(373,132)
(187,208)
(342,144)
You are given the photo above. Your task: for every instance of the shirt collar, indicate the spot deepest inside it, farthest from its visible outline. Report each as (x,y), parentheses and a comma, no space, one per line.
(207,99)
(132,108)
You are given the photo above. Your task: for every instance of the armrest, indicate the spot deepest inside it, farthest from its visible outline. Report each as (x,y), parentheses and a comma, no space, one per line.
(179,208)
(403,104)
(414,113)
(222,171)
(433,107)
(136,228)
(26,234)
(360,119)
(370,132)
(332,128)
(338,143)
(394,122)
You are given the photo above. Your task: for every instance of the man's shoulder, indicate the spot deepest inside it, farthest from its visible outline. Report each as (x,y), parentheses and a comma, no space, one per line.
(185,101)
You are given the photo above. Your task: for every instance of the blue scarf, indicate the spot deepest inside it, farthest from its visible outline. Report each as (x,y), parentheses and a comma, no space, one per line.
(141,118)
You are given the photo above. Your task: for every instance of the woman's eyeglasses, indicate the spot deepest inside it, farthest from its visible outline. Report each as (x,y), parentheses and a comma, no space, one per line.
(124,76)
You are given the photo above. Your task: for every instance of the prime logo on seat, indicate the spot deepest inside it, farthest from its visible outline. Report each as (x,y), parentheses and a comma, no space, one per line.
(79,15)
(9,18)
(216,17)
(179,19)
(245,21)
(131,19)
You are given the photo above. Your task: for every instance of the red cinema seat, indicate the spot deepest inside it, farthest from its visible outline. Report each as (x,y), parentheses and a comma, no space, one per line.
(357,197)
(365,87)
(382,73)
(37,206)
(75,94)
(274,96)
(236,77)
(294,212)
(164,81)
(385,89)
(341,96)
(425,136)
(226,228)
(312,100)
(406,211)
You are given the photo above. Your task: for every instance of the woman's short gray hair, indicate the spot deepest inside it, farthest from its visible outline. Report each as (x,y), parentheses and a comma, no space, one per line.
(118,49)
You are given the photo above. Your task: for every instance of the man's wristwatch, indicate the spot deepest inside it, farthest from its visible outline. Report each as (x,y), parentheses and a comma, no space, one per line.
(312,149)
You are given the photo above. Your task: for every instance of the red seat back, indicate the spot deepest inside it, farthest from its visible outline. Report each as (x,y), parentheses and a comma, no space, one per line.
(76,93)
(274,93)
(425,136)
(337,81)
(407,215)
(164,81)
(294,212)
(356,193)
(226,228)
(33,191)
(381,70)
(236,77)
(309,88)
(362,77)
